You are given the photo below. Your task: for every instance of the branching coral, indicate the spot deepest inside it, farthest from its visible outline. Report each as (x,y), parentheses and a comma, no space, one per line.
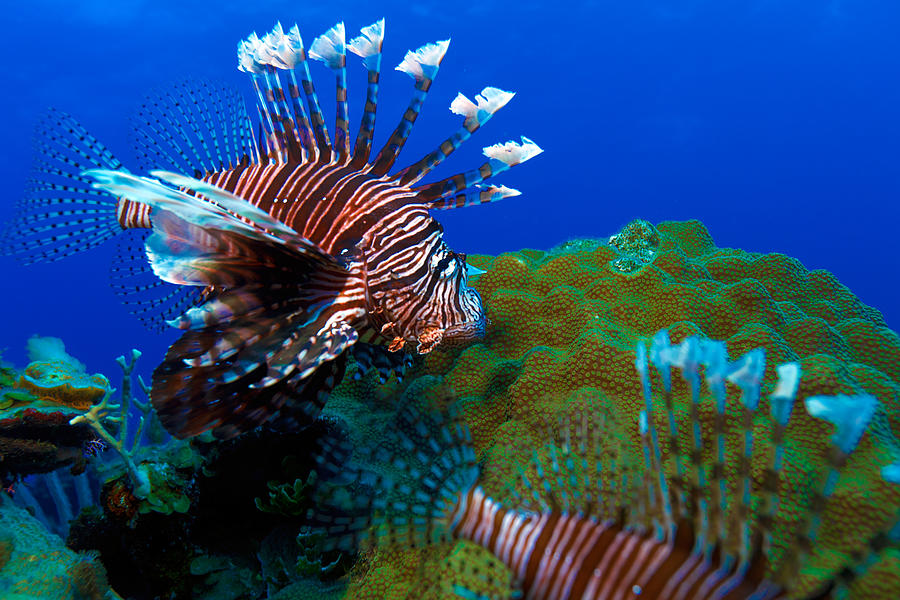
(95,417)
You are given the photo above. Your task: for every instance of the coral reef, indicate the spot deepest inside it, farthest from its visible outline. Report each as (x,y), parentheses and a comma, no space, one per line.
(561,338)
(35,564)
(55,376)
(36,435)
(563,326)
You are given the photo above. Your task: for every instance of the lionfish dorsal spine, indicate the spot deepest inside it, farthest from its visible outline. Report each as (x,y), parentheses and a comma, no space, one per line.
(747,373)
(331,49)
(476,114)
(500,158)
(851,416)
(422,65)
(781,403)
(477,195)
(299,139)
(659,496)
(368,47)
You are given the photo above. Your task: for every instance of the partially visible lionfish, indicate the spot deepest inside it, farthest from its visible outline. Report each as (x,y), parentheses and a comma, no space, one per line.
(669,530)
(285,255)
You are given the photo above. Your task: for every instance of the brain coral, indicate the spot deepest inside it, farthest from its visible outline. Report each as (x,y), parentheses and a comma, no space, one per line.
(564,325)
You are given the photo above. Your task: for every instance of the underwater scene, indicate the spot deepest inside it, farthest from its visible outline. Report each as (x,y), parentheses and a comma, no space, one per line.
(275,327)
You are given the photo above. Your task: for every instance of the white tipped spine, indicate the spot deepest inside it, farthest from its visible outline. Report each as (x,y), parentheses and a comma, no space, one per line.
(849,414)
(368,45)
(501,191)
(275,49)
(249,55)
(512,153)
(423,62)
(330,47)
(489,101)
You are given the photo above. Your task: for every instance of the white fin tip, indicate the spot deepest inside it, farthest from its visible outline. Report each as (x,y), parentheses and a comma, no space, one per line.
(849,414)
(369,43)
(513,153)
(429,55)
(330,47)
(490,100)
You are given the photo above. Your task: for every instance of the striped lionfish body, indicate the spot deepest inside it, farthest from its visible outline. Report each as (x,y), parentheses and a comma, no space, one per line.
(273,258)
(648,530)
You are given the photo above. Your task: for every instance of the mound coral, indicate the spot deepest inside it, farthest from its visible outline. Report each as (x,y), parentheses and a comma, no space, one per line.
(563,328)
(35,564)
(36,406)
(55,376)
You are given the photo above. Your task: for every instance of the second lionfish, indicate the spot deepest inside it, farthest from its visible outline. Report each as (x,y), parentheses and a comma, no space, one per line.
(286,252)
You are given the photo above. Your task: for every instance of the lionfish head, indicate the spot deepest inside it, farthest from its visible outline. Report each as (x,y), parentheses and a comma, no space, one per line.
(444,309)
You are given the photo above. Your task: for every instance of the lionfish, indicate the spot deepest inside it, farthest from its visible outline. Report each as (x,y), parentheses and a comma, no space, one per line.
(284,253)
(655,527)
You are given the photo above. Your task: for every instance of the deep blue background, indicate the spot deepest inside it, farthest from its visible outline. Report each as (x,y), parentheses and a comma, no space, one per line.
(775,123)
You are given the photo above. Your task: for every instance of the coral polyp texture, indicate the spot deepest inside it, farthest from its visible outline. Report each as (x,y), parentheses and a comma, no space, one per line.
(38,403)
(55,376)
(563,328)
(36,564)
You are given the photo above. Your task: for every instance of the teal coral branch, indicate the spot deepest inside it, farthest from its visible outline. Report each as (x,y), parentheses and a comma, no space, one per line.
(99,413)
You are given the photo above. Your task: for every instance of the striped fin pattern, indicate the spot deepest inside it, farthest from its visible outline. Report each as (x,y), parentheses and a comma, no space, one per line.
(378,358)
(299,137)
(153,301)
(368,47)
(194,128)
(500,158)
(663,548)
(422,65)
(414,484)
(62,214)
(476,114)
(331,49)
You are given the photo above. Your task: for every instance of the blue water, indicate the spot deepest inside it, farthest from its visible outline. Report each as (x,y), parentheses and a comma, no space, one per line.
(775,123)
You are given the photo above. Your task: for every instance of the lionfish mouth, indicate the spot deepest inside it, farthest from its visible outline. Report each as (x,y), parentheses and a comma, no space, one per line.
(465,332)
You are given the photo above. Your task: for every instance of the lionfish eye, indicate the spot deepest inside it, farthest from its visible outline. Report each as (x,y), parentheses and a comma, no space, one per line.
(447,265)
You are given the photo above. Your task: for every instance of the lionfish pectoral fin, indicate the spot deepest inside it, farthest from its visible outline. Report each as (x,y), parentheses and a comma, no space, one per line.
(378,358)
(62,213)
(246,353)
(423,464)
(153,301)
(194,128)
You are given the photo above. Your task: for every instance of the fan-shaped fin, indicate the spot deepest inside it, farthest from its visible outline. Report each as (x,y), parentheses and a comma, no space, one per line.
(194,128)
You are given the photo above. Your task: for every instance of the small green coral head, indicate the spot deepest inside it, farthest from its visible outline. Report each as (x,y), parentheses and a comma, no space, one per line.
(849,414)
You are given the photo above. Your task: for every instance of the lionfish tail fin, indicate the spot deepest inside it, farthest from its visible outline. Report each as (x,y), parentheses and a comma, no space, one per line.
(62,214)
(475,114)
(368,47)
(271,61)
(500,158)
(194,128)
(422,65)
(331,49)
(419,473)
